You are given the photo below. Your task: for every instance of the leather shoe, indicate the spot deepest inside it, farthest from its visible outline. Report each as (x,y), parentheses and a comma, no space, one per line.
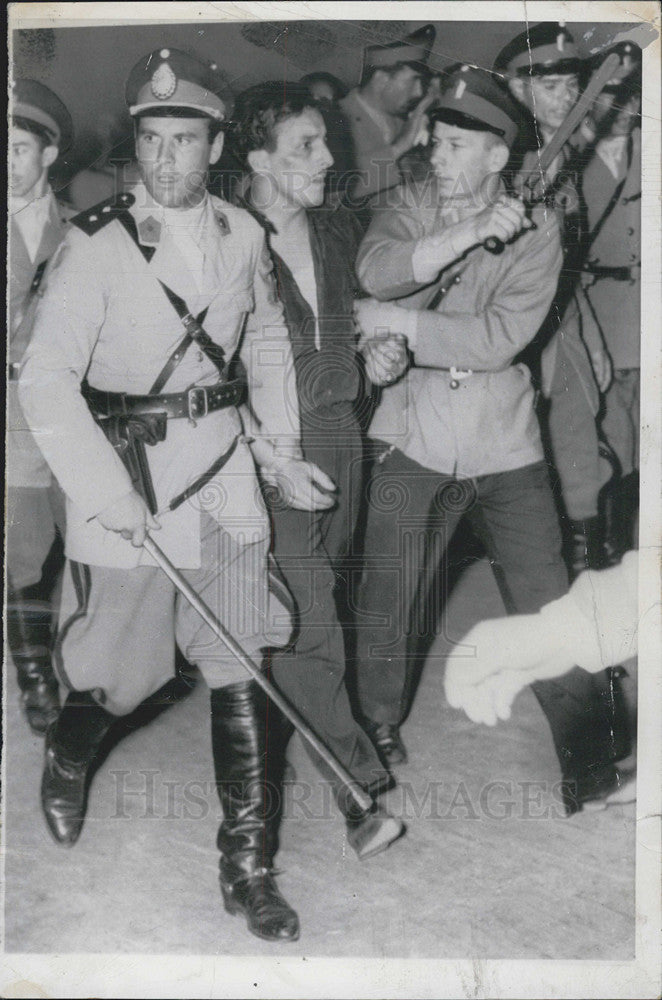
(388,742)
(256,895)
(63,794)
(373,832)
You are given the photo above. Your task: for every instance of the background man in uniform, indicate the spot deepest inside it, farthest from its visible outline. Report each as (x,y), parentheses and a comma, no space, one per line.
(611,275)
(459,435)
(147,300)
(40,129)
(542,67)
(281,137)
(386,112)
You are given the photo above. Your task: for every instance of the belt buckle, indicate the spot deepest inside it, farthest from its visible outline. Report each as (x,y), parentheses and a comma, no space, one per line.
(193,396)
(14,368)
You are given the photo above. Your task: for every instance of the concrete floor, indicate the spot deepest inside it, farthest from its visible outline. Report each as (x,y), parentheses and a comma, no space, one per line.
(486,870)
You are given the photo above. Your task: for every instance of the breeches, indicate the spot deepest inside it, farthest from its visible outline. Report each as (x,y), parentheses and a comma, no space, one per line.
(118,628)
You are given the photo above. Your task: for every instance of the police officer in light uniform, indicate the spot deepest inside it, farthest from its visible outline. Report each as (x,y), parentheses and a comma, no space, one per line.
(386,112)
(144,306)
(611,274)
(459,435)
(40,129)
(542,67)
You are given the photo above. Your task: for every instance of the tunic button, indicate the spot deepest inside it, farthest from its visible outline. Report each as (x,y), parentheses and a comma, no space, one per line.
(457,279)
(454,383)
(630,231)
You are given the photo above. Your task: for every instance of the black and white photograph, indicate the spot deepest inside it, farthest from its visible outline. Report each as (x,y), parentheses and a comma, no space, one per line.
(333,647)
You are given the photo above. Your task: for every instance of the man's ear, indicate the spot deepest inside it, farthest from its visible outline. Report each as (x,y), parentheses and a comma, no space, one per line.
(516,86)
(216,148)
(49,155)
(498,157)
(258,160)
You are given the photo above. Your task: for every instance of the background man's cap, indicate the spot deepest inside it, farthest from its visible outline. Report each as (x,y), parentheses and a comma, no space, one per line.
(38,104)
(169,78)
(473,100)
(414,48)
(627,75)
(545,49)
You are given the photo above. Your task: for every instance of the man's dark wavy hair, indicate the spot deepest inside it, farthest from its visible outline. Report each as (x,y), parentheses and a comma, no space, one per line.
(258,110)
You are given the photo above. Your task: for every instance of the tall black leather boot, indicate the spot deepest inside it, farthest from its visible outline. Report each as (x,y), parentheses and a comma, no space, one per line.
(584,546)
(71,747)
(248,751)
(29,641)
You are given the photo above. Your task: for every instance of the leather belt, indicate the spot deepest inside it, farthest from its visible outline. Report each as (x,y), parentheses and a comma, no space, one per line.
(625,273)
(194,404)
(459,374)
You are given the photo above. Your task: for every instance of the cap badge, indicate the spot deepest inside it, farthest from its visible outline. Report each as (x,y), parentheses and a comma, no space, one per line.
(164,82)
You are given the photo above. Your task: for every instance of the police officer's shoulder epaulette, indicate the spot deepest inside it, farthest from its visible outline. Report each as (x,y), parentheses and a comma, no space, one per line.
(92,220)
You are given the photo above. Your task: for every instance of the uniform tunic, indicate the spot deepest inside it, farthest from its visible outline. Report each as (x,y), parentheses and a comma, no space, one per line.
(611,303)
(566,370)
(104,316)
(372,134)
(35,505)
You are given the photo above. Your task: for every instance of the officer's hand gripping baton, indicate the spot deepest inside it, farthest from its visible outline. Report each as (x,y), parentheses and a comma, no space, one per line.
(362,799)
(603,73)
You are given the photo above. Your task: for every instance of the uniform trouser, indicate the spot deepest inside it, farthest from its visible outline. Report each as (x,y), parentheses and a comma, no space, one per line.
(118,627)
(620,424)
(308,547)
(412,514)
(573,436)
(34,515)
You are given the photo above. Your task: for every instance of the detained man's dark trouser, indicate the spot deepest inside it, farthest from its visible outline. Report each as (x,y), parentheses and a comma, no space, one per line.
(308,547)
(412,514)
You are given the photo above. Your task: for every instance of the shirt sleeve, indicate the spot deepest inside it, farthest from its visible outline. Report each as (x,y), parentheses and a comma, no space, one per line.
(490,339)
(266,353)
(68,320)
(384,263)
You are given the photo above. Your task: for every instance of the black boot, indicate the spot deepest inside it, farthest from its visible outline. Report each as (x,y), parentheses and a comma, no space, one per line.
(29,640)
(71,747)
(584,546)
(244,726)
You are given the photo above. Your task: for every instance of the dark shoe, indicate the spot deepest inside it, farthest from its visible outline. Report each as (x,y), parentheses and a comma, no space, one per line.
(373,832)
(71,747)
(29,640)
(245,725)
(63,794)
(256,896)
(388,742)
(591,790)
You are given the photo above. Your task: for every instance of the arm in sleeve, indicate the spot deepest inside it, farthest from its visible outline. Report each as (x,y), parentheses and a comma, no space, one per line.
(384,262)
(490,339)
(266,352)
(67,324)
